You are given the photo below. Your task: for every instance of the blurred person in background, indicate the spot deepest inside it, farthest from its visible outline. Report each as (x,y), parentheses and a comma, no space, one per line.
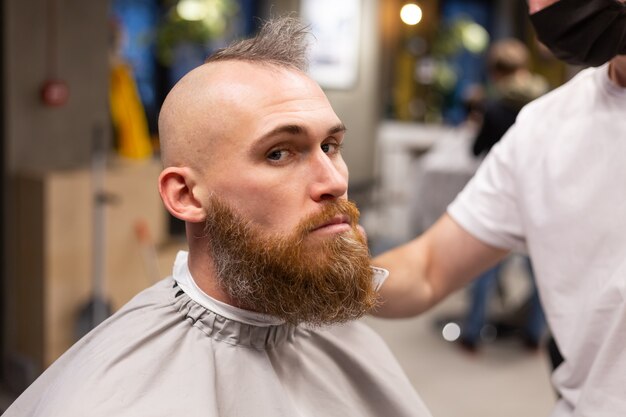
(513,86)
(259,317)
(555,187)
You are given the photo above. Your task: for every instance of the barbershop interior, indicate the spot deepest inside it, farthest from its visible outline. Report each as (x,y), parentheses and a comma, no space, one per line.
(84,228)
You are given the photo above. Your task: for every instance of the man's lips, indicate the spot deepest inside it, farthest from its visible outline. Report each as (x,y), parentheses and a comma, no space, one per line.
(338,223)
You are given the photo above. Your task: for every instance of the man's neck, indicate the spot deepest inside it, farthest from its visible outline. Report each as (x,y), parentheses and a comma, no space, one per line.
(617,70)
(204,276)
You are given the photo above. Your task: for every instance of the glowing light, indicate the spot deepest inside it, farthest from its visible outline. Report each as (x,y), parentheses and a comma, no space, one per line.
(451,332)
(474,37)
(411,14)
(192,10)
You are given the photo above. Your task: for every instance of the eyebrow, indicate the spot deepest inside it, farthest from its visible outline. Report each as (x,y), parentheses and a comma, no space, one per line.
(338,128)
(298,130)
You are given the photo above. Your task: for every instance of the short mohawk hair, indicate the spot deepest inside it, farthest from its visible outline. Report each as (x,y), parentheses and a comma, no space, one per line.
(282,41)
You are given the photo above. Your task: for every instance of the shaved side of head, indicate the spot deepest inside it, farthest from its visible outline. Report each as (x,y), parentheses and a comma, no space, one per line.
(185,118)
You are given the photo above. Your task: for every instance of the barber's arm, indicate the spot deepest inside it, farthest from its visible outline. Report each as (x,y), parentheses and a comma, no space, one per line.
(427,269)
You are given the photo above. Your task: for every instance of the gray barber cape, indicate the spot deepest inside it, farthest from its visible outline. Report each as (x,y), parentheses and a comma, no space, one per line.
(163,354)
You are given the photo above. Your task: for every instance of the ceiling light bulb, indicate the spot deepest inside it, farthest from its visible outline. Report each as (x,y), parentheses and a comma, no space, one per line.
(192,10)
(411,14)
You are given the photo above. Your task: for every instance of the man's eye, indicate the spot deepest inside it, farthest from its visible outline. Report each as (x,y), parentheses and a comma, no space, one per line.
(331,147)
(277,155)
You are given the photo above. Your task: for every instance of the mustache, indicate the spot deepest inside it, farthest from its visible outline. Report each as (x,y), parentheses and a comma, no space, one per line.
(331,210)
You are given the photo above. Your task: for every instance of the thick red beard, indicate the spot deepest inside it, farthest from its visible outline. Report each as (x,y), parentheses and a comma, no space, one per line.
(321,281)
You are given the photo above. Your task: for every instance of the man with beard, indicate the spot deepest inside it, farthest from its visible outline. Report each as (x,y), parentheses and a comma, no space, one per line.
(258,317)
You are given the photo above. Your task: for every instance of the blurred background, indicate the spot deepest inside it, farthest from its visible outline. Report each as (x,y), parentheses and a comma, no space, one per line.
(83,228)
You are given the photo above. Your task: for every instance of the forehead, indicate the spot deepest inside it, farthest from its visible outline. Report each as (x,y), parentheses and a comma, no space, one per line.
(264,96)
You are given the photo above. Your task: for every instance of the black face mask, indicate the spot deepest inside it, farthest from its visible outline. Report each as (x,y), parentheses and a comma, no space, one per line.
(583,32)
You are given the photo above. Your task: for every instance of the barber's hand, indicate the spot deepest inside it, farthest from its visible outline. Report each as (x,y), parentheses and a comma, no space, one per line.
(536,5)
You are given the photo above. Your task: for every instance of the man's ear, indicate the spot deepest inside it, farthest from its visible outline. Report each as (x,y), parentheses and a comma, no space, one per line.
(176,186)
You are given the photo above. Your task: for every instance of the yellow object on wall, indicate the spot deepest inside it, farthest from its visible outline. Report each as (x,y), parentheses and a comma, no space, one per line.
(128,115)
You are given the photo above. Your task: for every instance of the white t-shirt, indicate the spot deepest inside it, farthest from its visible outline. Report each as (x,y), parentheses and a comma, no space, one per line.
(555,185)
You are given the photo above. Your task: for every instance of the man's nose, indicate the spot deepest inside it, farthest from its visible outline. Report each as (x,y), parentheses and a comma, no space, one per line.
(329,177)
